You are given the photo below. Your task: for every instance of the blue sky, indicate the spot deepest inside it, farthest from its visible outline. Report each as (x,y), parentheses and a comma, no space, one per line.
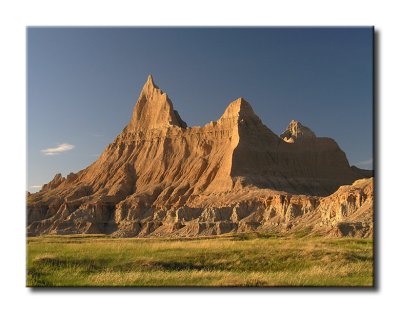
(84,82)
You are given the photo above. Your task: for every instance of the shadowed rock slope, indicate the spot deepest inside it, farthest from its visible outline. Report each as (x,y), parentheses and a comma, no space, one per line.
(161,178)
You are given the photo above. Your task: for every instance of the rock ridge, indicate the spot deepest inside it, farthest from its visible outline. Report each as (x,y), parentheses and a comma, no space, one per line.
(162,178)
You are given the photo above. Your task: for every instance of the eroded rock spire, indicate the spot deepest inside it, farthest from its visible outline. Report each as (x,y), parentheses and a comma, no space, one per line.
(154,109)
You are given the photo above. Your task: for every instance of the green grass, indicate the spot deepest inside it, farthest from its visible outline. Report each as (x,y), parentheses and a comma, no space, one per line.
(239,260)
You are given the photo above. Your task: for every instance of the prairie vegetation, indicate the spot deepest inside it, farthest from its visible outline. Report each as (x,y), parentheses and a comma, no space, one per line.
(237,260)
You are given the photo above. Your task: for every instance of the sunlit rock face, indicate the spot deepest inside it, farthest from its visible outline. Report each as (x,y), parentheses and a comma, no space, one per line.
(162,178)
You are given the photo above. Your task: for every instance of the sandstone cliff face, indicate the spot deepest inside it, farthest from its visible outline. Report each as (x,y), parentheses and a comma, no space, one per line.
(349,209)
(160,177)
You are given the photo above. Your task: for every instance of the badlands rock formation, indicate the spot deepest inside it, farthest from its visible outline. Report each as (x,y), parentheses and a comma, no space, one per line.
(162,178)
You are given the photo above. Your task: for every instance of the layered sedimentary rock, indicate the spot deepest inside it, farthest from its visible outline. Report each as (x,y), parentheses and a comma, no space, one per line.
(160,177)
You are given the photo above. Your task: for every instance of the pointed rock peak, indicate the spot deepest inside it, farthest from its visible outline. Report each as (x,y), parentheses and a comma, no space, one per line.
(239,109)
(150,83)
(154,110)
(150,87)
(150,80)
(297,132)
(240,103)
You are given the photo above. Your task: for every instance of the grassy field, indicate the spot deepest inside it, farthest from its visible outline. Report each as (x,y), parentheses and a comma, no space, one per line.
(240,260)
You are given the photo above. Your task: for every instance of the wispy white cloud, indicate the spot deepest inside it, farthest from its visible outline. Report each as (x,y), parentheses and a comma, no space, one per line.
(366,162)
(59,149)
(36,186)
